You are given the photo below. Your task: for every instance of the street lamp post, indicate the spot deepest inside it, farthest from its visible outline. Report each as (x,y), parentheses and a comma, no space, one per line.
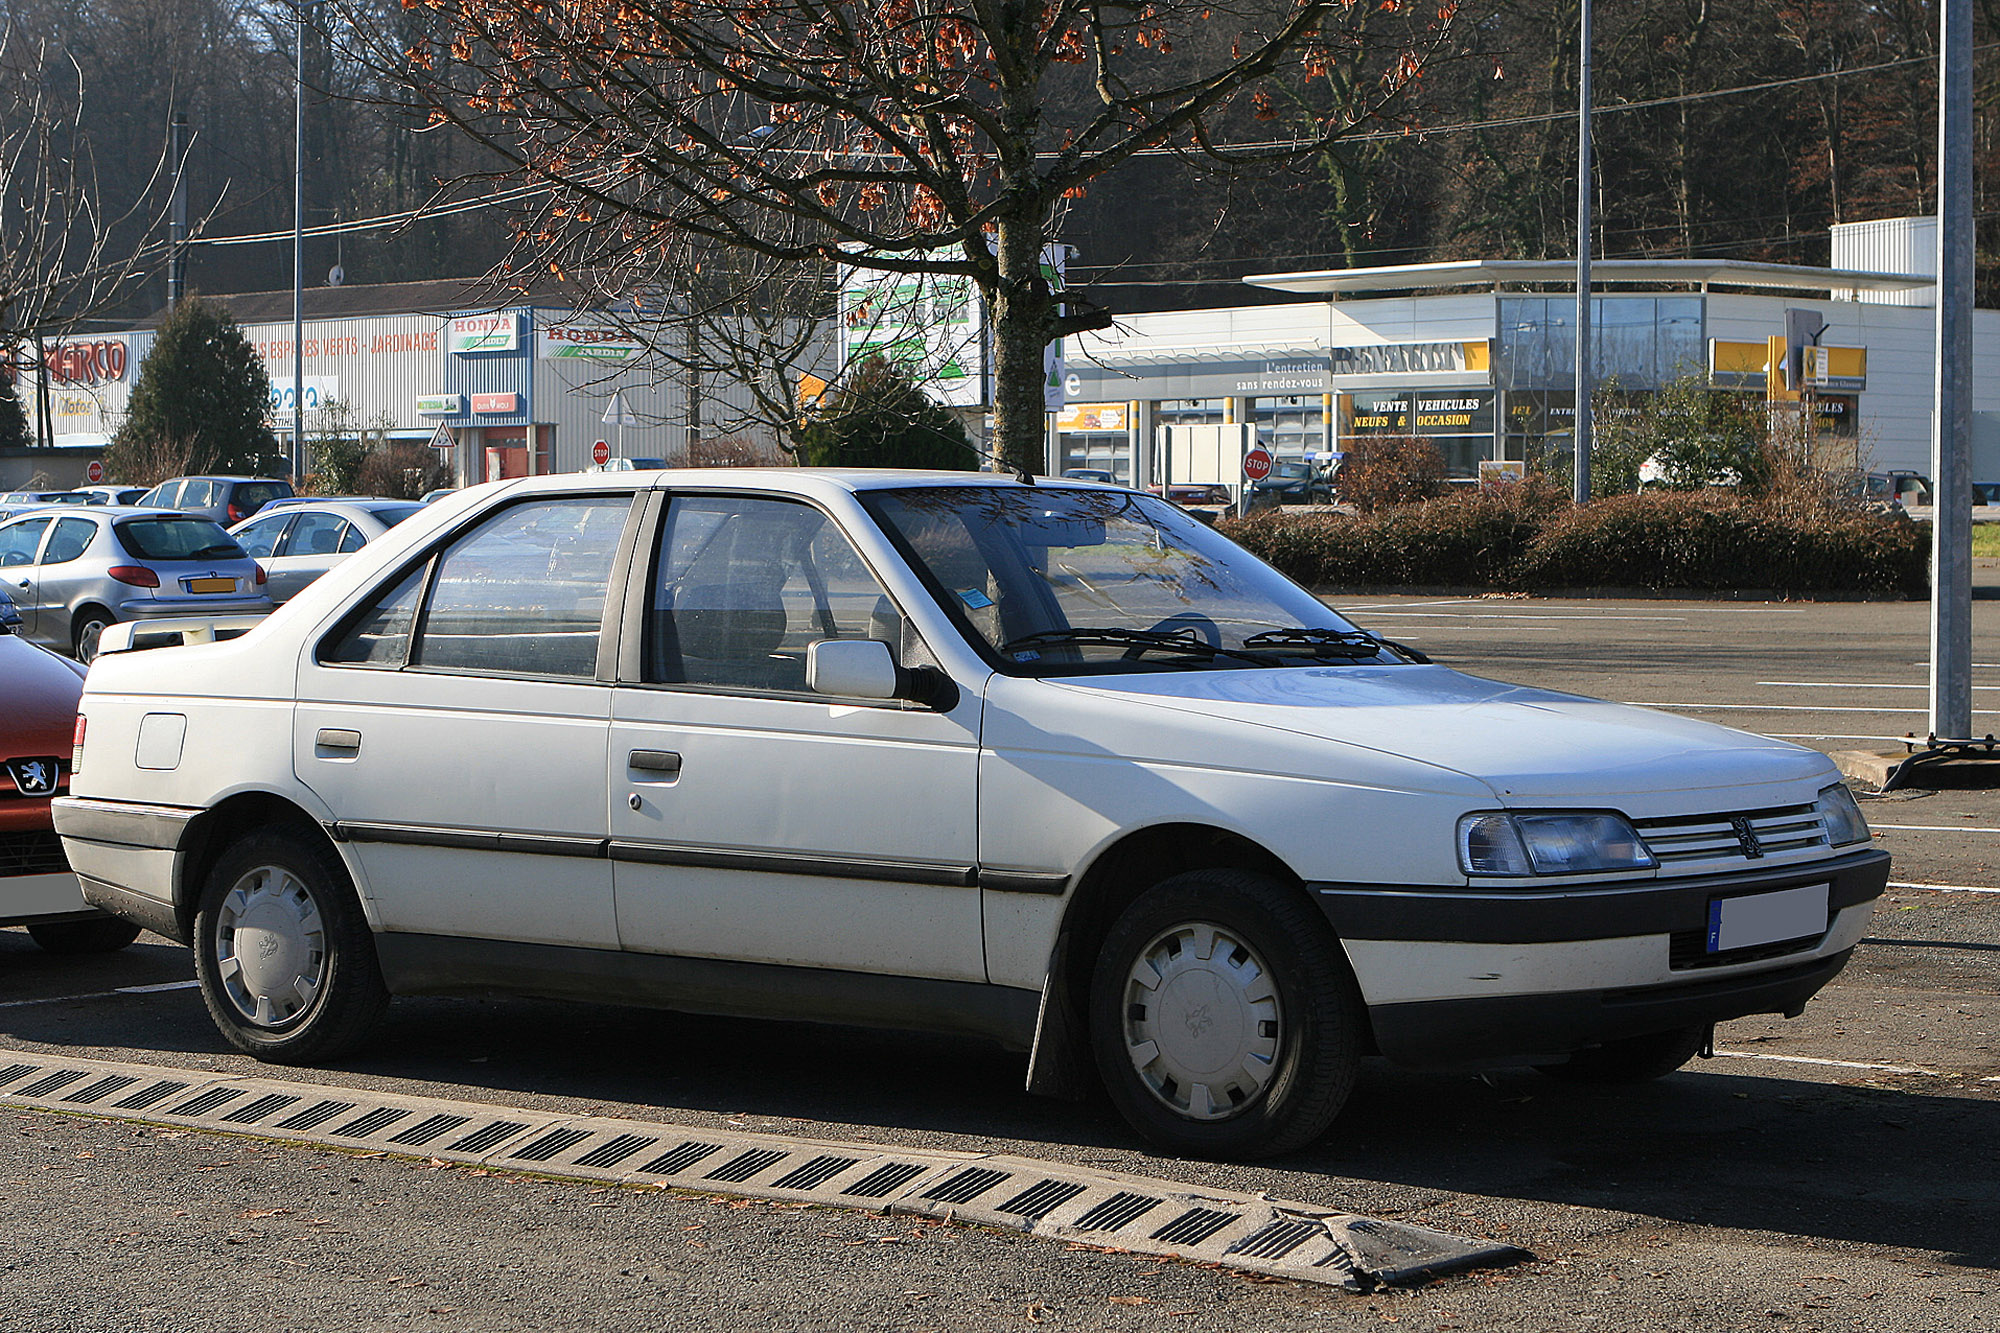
(298,241)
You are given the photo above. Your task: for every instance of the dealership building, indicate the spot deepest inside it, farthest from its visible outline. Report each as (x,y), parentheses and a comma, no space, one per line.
(1477,356)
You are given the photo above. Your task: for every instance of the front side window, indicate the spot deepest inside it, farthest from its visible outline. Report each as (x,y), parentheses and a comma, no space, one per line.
(743,587)
(1049,579)
(523,593)
(19,541)
(70,539)
(315,534)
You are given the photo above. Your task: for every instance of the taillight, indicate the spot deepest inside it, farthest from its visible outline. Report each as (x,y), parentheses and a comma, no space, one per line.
(76,747)
(262,577)
(137,575)
(235,514)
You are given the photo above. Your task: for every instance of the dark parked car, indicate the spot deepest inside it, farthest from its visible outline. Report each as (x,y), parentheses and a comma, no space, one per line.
(1294,483)
(226,500)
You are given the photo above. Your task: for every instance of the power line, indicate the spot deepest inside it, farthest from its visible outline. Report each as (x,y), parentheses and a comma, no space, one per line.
(519,193)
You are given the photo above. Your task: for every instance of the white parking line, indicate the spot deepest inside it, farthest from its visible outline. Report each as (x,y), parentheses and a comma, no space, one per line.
(103,994)
(1849,685)
(1832,736)
(1379,613)
(1793,708)
(1832,1064)
(1944,888)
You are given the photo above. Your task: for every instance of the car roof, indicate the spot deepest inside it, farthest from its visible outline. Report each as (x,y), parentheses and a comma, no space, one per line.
(792,480)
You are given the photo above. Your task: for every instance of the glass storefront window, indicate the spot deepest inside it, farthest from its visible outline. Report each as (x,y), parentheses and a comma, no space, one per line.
(1640,341)
(1291,427)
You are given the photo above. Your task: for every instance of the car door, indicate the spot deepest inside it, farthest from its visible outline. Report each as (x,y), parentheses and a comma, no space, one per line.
(754,820)
(63,579)
(311,546)
(20,542)
(455,724)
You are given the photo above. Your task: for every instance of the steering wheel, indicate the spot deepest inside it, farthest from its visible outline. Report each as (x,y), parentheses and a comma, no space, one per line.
(1210,632)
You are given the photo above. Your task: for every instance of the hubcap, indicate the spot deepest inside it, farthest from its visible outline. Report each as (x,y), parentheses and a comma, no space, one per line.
(86,642)
(270,947)
(1203,1026)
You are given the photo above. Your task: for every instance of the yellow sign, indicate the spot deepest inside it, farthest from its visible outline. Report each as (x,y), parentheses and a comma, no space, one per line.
(1091,416)
(1837,369)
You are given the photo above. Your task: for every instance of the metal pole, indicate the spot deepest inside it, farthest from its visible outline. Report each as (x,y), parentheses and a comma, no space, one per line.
(298,252)
(1584,378)
(177,225)
(1951,418)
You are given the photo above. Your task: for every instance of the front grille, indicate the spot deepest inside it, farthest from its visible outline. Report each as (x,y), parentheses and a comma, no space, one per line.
(35,853)
(1732,839)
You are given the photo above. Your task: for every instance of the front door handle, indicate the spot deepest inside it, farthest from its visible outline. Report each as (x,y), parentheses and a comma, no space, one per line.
(664,762)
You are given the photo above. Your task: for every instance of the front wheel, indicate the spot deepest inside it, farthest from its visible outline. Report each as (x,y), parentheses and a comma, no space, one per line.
(1223,1017)
(285,959)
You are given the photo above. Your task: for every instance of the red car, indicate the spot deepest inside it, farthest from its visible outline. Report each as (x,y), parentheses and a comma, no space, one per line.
(38,694)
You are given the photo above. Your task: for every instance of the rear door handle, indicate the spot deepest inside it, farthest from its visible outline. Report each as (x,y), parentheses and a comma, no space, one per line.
(667,762)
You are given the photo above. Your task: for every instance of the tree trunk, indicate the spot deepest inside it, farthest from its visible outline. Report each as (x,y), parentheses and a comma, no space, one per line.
(1023,323)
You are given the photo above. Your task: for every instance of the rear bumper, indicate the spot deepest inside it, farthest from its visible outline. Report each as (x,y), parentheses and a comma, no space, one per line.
(125,855)
(1458,977)
(213,604)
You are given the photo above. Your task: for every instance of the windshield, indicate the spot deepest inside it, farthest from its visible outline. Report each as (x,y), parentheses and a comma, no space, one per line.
(1048,579)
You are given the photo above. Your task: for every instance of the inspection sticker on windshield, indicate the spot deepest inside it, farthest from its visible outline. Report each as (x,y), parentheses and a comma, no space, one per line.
(975,599)
(1766,918)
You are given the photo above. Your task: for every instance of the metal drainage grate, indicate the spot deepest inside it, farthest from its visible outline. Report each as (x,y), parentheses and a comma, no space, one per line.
(684,1158)
(203,1103)
(814,1173)
(489,1136)
(430,1127)
(740,1168)
(55,1082)
(966,1186)
(316,1115)
(98,1091)
(148,1097)
(1278,1239)
(884,1180)
(12,1072)
(1038,1201)
(257,1110)
(607,1155)
(1120,1210)
(551,1143)
(1194,1226)
(374,1122)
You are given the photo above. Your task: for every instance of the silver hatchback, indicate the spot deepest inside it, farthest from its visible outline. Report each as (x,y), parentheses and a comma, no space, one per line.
(74,571)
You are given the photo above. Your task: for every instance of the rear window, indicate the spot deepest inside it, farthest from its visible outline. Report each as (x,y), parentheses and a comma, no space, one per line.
(391,515)
(252,496)
(177,539)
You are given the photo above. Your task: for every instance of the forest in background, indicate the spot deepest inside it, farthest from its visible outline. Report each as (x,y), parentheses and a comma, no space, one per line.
(1710,159)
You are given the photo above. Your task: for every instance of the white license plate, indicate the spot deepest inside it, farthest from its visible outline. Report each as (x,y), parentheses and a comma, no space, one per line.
(1766,918)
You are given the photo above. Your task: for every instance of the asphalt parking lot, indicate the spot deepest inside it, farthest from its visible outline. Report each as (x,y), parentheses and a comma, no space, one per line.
(1829,1172)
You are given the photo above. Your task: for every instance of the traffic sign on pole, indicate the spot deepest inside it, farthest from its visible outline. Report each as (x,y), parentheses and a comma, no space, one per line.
(95,471)
(441,438)
(600,453)
(1257,464)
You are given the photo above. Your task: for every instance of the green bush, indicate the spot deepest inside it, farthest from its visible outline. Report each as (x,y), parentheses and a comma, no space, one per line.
(1530,538)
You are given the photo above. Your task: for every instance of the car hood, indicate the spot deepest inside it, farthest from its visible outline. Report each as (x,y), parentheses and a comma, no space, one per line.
(1530,746)
(38,694)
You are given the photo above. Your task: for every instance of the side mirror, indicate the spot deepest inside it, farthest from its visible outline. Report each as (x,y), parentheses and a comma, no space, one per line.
(853,668)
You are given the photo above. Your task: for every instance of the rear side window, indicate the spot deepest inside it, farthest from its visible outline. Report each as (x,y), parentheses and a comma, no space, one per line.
(381,636)
(177,539)
(523,593)
(70,539)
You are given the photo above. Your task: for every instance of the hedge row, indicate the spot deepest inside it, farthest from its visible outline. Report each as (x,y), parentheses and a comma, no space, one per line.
(1707,541)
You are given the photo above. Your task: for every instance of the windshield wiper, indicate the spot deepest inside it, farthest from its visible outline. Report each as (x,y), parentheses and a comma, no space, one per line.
(214,548)
(1135,641)
(1322,642)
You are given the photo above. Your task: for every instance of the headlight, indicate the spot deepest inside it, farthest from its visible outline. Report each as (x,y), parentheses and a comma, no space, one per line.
(1840,816)
(1498,843)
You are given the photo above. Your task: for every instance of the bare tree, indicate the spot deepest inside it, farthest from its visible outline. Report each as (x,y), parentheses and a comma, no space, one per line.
(941,137)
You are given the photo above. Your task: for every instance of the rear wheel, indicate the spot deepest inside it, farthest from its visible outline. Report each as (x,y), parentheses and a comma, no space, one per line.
(1633,1059)
(101,935)
(286,961)
(1223,1017)
(84,634)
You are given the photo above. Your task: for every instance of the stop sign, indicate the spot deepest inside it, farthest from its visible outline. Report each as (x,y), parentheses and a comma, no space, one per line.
(1257,464)
(95,471)
(600,453)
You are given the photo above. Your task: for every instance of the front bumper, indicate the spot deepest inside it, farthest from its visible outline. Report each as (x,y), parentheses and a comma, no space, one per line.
(1475,977)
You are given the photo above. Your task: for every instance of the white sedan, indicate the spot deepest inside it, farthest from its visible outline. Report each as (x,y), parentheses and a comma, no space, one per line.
(1056,764)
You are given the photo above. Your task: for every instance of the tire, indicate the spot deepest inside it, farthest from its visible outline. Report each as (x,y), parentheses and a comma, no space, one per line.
(85,633)
(1634,1059)
(1232,975)
(285,959)
(106,934)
